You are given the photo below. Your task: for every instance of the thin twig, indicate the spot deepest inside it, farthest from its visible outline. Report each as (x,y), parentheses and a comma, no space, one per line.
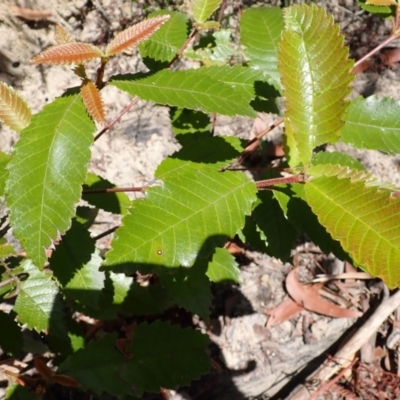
(114,190)
(346,353)
(117,118)
(105,233)
(282,180)
(182,49)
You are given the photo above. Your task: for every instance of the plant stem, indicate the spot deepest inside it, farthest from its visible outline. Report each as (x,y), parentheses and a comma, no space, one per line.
(117,118)
(114,190)
(282,180)
(392,37)
(105,233)
(182,49)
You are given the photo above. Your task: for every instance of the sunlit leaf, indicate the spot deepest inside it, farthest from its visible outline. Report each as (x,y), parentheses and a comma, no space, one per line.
(260,31)
(135,35)
(93,102)
(223,267)
(4,160)
(68,53)
(46,174)
(62,36)
(373,123)
(316,74)
(14,111)
(165,43)
(38,304)
(202,9)
(364,220)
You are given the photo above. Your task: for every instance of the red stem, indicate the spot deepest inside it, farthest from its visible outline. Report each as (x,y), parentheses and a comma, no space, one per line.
(282,180)
(114,190)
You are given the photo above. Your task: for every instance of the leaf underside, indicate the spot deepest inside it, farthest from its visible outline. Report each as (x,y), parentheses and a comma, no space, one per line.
(202,9)
(223,90)
(68,53)
(316,74)
(62,36)
(373,123)
(47,172)
(93,102)
(365,221)
(14,111)
(135,35)
(261,30)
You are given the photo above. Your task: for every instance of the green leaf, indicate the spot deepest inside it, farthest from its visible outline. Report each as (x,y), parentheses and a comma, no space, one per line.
(205,89)
(194,210)
(162,356)
(384,11)
(10,335)
(18,392)
(116,203)
(223,267)
(316,75)
(373,123)
(279,233)
(325,157)
(167,41)
(97,367)
(4,159)
(47,172)
(39,304)
(86,215)
(134,299)
(298,212)
(364,220)
(202,9)
(190,288)
(166,356)
(75,263)
(261,30)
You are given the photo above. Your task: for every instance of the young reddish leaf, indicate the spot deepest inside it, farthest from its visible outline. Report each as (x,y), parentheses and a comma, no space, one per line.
(382,2)
(65,380)
(68,53)
(308,296)
(93,101)
(42,368)
(62,36)
(14,111)
(135,34)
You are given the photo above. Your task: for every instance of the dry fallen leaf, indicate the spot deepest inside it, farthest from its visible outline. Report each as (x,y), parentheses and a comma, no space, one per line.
(286,310)
(309,297)
(31,15)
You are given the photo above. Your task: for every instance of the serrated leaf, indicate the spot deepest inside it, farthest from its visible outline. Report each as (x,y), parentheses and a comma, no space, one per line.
(116,203)
(190,288)
(315,73)
(68,53)
(194,210)
(326,157)
(47,172)
(298,212)
(14,111)
(39,304)
(4,160)
(373,123)
(363,219)
(93,102)
(202,9)
(134,299)
(75,263)
(223,267)
(260,31)
(279,233)
(223,90)
(10,335)
(97,367)
(164,44)
(165,355)
(381,2)
(384,11)
(62,36)
(135,35)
